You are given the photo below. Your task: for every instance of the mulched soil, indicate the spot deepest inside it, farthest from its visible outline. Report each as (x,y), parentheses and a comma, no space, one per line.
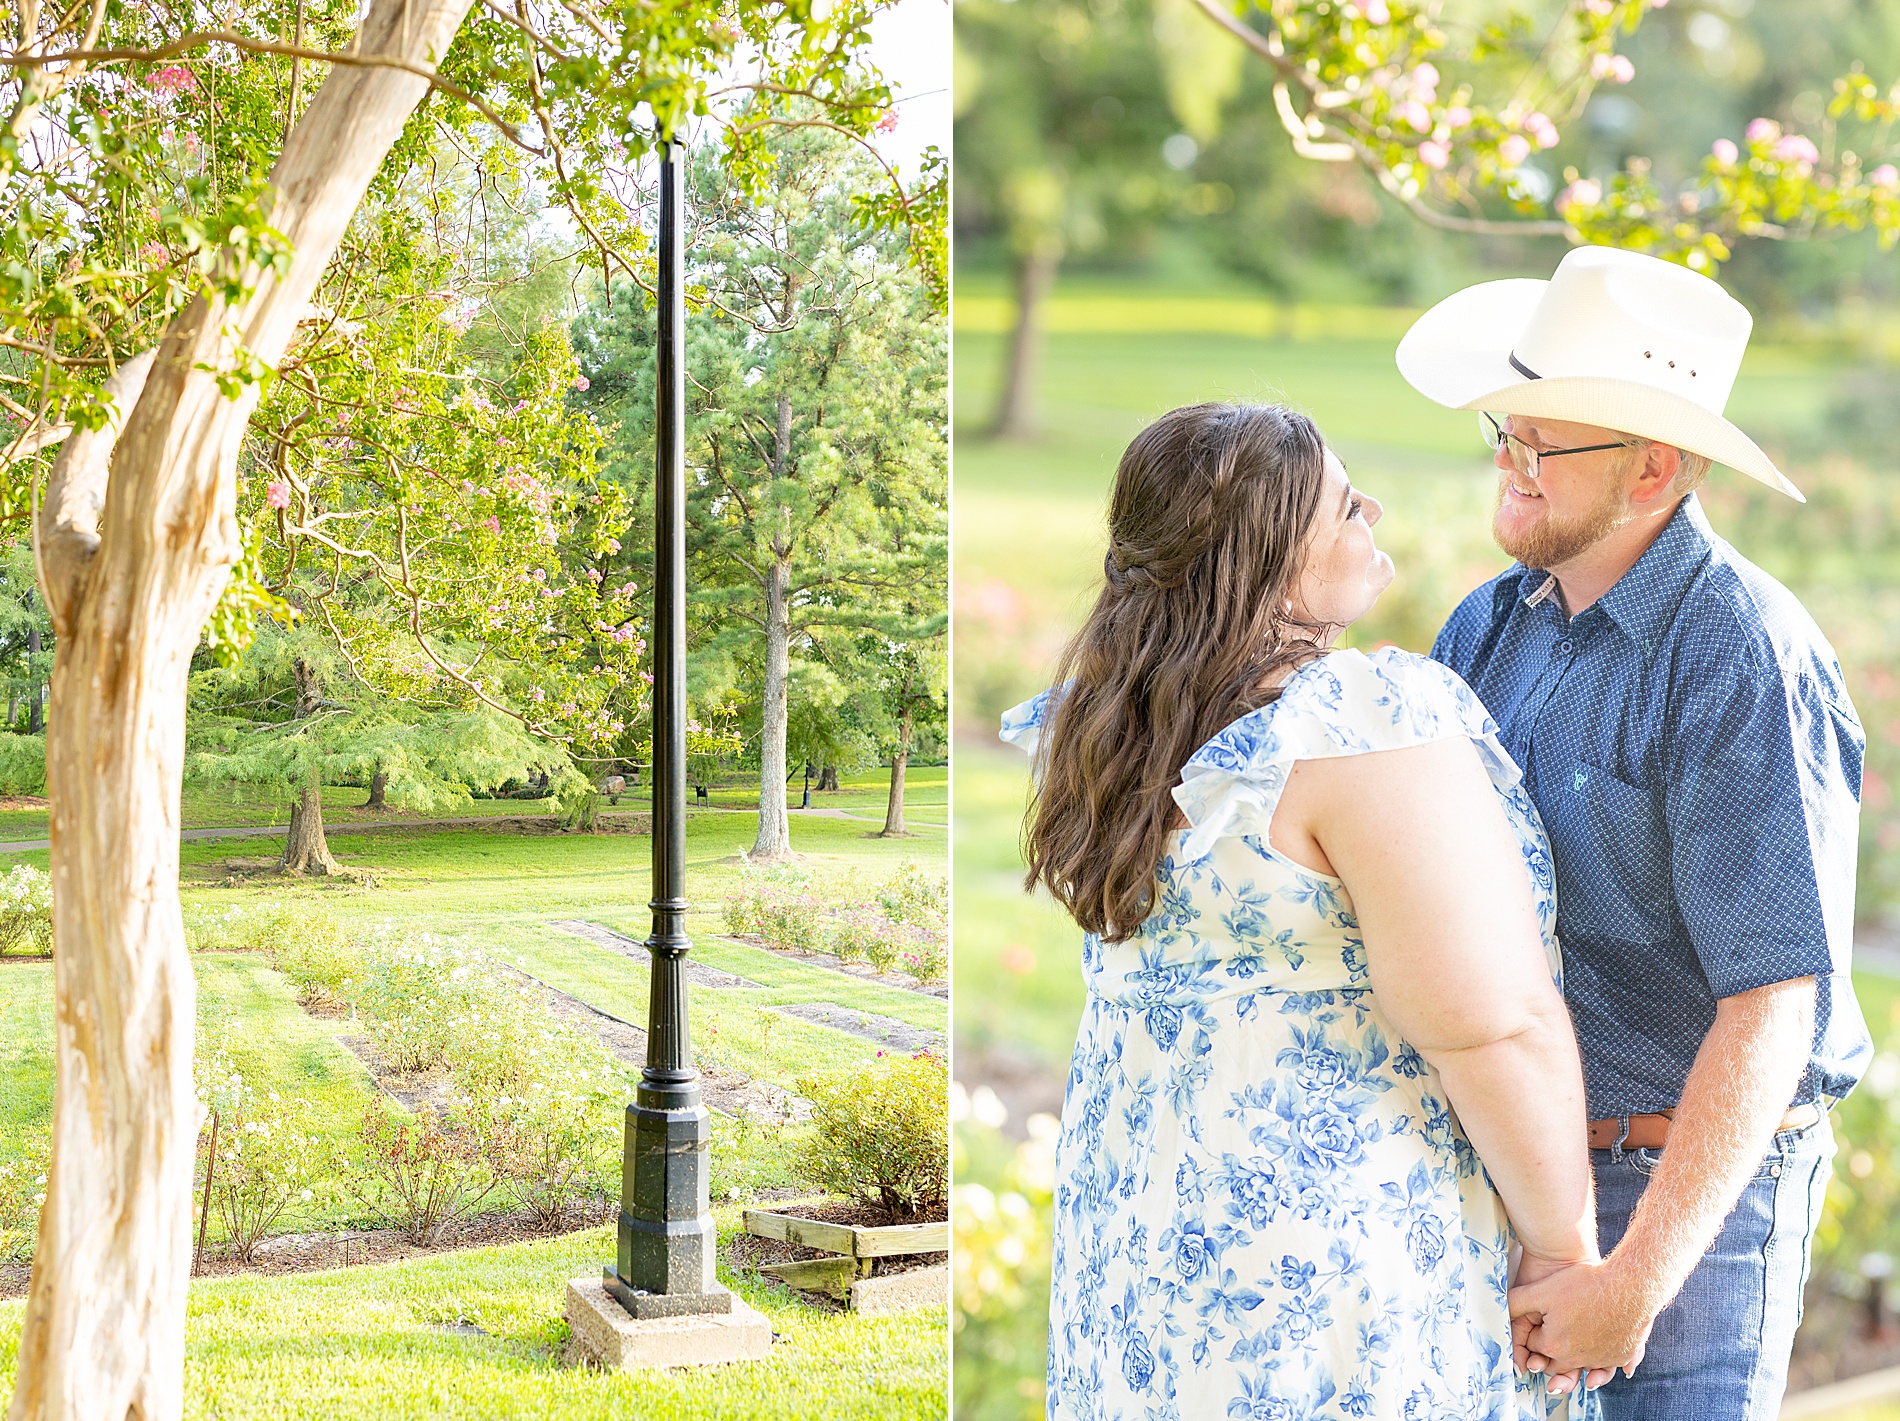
(900,980)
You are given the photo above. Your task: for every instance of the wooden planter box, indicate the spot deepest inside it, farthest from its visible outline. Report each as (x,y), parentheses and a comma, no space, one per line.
(851,1274)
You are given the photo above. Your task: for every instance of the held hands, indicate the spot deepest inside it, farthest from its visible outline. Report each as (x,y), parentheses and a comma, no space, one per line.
(1569,1315)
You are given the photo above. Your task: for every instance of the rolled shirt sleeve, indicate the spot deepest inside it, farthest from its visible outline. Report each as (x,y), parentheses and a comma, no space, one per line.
(1761,794)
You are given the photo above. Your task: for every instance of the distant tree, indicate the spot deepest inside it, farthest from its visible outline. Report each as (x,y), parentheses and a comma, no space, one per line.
(26,639)
(816,429)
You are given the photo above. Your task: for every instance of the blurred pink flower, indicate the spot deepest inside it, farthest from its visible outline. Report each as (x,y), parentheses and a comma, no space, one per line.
(492,524)
(1617,68)
(887,122)
(1377,13)
(581,382)
(1541,130)
(1760,130)
(1434,154)
(1582,193)
(1885,176)
(1514,150)
(1416,114)
(277,495)
(1797,148)
(613,545)
(172,80)
(1724,151)
(1457,115)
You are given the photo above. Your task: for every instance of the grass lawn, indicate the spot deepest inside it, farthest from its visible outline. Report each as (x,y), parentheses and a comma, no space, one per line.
(370,1342)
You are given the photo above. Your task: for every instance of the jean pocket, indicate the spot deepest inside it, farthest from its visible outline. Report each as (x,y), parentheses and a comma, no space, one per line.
(1647,1162)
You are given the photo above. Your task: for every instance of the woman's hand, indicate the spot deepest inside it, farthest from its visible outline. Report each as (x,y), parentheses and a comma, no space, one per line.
(1617,1333)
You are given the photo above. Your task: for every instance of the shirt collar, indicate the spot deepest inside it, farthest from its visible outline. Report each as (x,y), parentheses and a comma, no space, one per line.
(1644,600)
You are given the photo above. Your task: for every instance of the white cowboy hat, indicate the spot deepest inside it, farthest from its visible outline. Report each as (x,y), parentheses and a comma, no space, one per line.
(1616,339)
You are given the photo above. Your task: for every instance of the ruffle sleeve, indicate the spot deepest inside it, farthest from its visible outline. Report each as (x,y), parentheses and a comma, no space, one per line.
(1022,725)
(1344,703)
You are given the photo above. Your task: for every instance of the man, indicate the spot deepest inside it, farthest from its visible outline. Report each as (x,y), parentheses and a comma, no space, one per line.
(1684,731)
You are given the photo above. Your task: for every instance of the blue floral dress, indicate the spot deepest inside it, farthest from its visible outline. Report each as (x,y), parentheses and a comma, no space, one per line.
(1264,1205)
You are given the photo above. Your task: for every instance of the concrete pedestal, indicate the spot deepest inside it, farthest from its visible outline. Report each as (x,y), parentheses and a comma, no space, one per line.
(603,1333)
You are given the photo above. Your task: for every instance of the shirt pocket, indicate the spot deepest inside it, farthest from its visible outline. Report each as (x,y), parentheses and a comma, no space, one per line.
(1613,861)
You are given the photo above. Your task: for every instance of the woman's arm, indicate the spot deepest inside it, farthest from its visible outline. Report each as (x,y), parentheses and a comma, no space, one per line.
(1457,964)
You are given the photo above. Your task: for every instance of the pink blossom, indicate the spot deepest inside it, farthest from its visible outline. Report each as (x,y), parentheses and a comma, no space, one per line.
(277,495)
(520,405)
(1377,13)
(1541,129)
(152,254)
(1457,115)
(1724,151)
(1617,68)
(887,122)
(172,80)
(581,382)
(1434,154)
(1425,77)
(1416,114)
(492,524)
(1761,130)
(1885,176)
(1600,7)
(593,575)
(1514,150)
(1797,149)
(1582,193)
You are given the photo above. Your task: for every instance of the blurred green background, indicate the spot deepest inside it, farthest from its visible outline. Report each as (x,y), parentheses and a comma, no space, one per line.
(1246,273)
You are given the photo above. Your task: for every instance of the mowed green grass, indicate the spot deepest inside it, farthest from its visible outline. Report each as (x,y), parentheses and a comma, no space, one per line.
(371,1342)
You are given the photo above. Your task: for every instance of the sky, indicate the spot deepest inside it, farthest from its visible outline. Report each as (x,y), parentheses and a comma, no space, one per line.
(910,45)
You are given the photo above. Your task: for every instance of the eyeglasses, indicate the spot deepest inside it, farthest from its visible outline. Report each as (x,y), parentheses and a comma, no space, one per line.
(1527,459)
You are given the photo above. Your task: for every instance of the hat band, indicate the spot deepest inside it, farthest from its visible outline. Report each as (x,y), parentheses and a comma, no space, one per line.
(1523,369)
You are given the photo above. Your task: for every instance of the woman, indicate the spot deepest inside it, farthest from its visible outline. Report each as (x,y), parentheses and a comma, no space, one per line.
(1319,956)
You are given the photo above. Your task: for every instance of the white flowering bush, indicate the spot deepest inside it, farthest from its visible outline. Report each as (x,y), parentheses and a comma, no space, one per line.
(261,1152)
(914,898)
(905,927)
(422,995)
(554,1144)
(22,1193)
(26,912)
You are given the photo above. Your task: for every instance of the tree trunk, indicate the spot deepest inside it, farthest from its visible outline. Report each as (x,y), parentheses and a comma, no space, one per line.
(137,535)
(1016,416)
(775,829)
(378,785)
(305,848)
(13,708)
(900,762)
(828,778)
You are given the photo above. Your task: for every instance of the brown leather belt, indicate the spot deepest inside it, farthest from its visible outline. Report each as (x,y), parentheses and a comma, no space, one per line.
(1648,1132)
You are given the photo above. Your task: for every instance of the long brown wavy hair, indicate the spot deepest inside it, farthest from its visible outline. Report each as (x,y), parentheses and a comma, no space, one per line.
(1211,507)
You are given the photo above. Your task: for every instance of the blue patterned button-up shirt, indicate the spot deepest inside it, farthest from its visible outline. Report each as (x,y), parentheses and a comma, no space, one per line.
(1692,749)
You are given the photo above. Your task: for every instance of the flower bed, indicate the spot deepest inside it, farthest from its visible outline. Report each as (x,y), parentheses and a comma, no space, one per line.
(903,927)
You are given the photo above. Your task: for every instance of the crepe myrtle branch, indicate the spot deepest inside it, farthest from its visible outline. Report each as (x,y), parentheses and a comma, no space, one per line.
(199,39)
(1347,146)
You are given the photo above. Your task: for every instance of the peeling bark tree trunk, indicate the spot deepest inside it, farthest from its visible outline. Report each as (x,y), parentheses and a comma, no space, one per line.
(900,762)
(137,535)
(775,829)
(1016,411)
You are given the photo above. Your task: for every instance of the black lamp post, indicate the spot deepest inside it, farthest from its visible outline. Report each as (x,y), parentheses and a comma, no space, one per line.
(666,1253)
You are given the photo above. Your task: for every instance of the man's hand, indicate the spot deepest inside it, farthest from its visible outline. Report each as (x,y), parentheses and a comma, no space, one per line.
(1581,1315)
(1533,1269)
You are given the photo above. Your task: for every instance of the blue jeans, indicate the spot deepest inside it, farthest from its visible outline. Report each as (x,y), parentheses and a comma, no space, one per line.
(1719,1352)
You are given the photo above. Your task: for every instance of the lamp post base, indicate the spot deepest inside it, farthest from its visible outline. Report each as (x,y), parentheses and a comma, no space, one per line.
(601,1332)
(642,1304)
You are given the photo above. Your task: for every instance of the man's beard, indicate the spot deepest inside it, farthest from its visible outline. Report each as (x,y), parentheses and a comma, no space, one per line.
(1551,541)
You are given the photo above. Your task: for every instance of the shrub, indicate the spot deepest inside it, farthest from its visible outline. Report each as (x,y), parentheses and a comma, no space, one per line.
(881,1133)
(22,764)
(553,1146)
(854,933)
(883,946)
(927,959)
(26,912)
(742,911)
(419,994)
(22,1192)
(267,1154)
(914,898)
(794,920)
(425,1173)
